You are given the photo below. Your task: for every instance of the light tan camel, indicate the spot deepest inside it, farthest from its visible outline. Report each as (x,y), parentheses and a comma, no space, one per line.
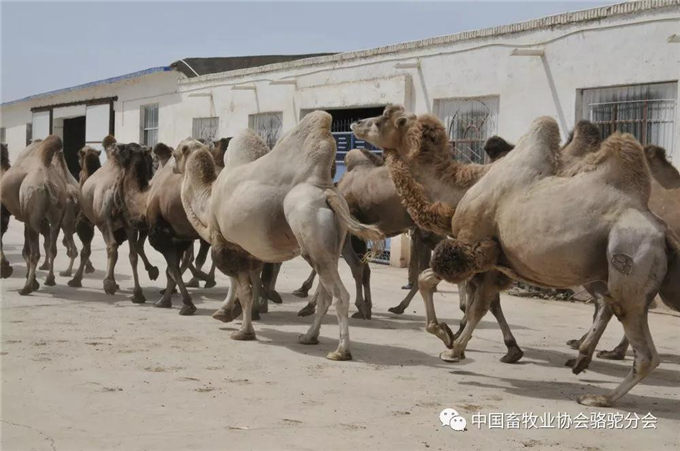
(271,209)
(34,191)
(423,153)
(616,246)
(664,201)
(102,204)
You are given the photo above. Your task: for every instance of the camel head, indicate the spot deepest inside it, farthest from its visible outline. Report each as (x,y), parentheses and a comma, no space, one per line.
(108,143)
(496,147)
(134,159)
(386,131)
(456,261)
(183,150)
(662,169)
(88,157)
(585,138)
(161,153)
(219,149)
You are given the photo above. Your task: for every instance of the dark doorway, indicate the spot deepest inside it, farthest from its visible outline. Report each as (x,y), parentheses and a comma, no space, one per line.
(74,140)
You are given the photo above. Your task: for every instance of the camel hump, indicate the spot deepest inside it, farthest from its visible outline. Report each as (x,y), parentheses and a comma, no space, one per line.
(584,139)
(356,157)
(538,148)
(244,147)
(48,147)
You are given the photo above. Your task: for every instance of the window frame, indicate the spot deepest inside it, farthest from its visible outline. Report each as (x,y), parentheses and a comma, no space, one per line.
(269,140)
(143,128)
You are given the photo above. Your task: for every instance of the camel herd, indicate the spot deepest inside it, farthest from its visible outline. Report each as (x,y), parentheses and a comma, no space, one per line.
(602,214)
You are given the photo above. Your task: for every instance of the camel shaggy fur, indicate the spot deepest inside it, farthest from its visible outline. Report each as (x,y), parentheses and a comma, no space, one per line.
(271,209)
(5,268)
(422,168)
(608,241)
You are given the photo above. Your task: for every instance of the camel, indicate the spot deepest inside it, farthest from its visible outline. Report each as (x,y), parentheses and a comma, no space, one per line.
(5,268)
(438,176)
(35,192)
(271,206)
(664,201)
(102,192)
(617,247)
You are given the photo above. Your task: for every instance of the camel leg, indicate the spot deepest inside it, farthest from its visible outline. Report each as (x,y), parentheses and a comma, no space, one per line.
(483,291)
(603,314)
(173,259)
(270,273)
(137,293)
(200,261)
(427,283)
(358,268)
(53,236)
(32,256)
(139,245)
(248,291)
(85,231)
(303,291)
(514,352)
(420,260)
(166,298)
(227,311)
(618,353)
(5,268)
(45,232)
(110,285)
(323,299)
(71,252)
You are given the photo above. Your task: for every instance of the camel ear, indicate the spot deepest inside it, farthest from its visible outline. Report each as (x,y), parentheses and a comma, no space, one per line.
(97,151)
(402,119)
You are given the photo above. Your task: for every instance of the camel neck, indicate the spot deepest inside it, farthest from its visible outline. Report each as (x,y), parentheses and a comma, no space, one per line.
(665,174)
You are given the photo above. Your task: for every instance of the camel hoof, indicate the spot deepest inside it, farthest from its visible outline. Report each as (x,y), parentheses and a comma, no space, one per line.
(408,286)
(138,297)
(242,335)
(192,283)
(65,273)
(187,310)
(6,270)
(339,356)
(275,297)
(574,344)
(210,283)
(449,356)
(305,340)
(75,283)
(579,364)
(224,316)
(301,293)
(26,290)
(49,281)
(307,310)
(363,311)
(396,310)
(442,331)
(44,267)
(153,272)
(594,400)
(110,286)
(35,285)
(513,355)
(89,269)
(163,303)
(611,355)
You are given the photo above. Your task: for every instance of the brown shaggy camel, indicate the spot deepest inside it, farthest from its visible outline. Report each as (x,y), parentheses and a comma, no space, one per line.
(270,207)
(617,248)
(664,201)
(34,191)
(5,268)
(424,154)
(102,204)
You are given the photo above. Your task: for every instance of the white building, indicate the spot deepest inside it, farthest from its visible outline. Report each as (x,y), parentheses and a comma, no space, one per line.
(617,66)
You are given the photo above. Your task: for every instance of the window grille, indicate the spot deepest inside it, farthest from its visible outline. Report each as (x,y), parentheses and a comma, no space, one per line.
(149,125)
(205,128)
(267,125)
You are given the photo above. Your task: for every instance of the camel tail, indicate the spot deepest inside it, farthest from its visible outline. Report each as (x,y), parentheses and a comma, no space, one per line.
(363,231)
(433,216)
(670,287)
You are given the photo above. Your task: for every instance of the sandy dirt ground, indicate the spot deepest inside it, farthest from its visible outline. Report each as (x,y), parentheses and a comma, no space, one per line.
(85,371)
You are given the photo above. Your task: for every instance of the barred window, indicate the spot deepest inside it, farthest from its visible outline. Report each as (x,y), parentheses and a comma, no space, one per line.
(647,111)
(469,123)
(267,125)
(149,125)
(205,128)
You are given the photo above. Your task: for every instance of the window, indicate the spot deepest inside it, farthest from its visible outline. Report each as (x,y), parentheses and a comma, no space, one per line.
(3,137)
(469,123)
(149,125)
(205,128)
(29,133)
(645,111)
(267,125)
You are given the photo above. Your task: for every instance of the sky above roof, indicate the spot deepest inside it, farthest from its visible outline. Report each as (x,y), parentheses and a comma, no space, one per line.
(47,46)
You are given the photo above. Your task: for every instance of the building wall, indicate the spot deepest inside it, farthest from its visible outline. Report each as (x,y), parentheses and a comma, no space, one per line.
(620,50)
